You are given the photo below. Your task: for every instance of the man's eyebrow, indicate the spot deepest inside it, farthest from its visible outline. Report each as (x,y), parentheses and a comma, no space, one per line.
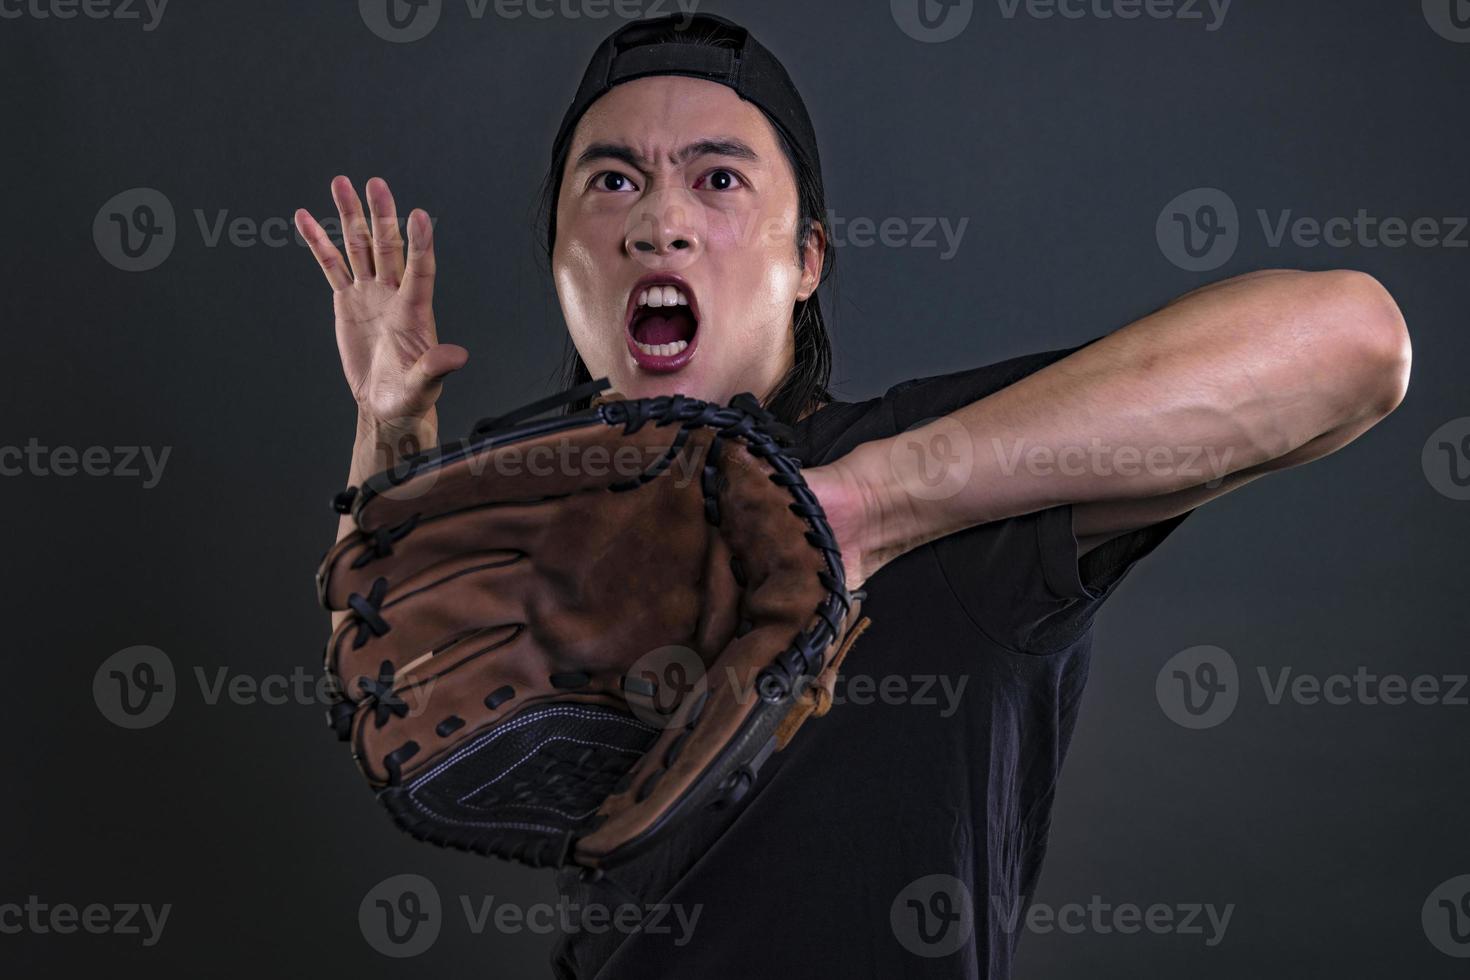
(723,146)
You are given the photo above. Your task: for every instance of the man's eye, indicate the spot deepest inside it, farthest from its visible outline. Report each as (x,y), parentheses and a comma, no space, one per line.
(718,180)
(611,180)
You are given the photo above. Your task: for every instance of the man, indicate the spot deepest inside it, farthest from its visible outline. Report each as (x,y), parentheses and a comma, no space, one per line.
(989,513)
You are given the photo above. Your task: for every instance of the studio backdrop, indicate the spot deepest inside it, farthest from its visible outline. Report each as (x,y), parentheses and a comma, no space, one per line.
(1003,177)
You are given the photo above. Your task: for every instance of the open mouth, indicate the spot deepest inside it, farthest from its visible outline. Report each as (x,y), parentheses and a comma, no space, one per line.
(662,323)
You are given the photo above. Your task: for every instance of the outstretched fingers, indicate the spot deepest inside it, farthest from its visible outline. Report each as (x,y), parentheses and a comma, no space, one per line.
(418,277)
(387,241)
(327,256)
(355,232)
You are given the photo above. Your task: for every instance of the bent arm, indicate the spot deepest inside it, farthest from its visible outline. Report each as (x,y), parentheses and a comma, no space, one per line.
(1221,386)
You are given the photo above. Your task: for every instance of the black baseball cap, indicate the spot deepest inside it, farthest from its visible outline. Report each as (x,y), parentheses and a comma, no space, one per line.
(641,48)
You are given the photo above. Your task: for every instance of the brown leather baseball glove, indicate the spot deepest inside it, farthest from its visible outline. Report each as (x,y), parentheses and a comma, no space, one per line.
(565,636)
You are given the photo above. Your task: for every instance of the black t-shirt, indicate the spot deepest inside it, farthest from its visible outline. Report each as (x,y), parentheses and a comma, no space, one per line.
(894,836)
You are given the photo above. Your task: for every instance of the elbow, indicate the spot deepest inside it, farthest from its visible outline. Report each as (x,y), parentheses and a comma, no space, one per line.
(1373,340)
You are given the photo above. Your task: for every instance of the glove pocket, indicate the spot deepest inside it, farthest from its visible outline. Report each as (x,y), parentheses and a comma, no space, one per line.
(428,617)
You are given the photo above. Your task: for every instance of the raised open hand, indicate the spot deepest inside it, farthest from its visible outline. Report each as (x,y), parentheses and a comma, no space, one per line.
(386,335)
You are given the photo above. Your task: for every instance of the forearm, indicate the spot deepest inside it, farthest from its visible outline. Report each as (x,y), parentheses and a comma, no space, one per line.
(1224,381)
(378,446)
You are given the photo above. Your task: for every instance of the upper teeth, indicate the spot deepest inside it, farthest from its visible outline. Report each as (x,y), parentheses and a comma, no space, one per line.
(662,296)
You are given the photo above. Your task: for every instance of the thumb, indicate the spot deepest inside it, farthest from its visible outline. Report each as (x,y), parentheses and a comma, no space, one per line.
(425,379)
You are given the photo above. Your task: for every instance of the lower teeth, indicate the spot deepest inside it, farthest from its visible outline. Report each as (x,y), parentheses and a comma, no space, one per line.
(662,350)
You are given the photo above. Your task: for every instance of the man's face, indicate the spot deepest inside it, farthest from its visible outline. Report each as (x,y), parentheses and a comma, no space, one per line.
(675,258)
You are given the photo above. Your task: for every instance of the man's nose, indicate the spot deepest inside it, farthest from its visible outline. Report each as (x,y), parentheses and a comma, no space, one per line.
(665,225)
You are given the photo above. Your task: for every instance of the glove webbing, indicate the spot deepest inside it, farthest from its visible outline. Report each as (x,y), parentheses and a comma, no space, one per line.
(744,418)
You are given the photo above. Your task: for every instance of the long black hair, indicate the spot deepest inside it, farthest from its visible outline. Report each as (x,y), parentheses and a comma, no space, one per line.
(806,383)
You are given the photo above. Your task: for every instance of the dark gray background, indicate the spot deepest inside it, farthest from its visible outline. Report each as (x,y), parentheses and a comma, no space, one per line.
(1059,140)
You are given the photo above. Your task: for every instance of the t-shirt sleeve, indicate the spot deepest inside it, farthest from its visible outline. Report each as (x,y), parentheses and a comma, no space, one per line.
(1021,580)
